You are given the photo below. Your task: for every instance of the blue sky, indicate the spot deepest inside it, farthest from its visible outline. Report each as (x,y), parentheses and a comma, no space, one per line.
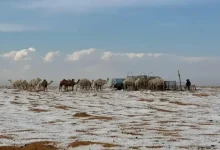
(187,28)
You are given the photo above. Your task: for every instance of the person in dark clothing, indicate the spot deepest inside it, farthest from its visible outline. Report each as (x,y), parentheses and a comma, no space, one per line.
(188,84)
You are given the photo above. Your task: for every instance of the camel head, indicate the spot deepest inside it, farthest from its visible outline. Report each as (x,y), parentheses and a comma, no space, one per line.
(78,81)
(51,82)
(104,82)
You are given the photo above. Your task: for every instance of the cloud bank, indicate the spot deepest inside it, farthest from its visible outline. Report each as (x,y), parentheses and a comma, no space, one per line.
(18,55)
(95,63)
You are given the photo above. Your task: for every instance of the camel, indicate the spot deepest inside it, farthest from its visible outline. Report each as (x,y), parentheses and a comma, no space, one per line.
(93,84)
(43,84)
(33,84)
(71,83)
(67,83)
(84,84)
(129,83)
(140,83)
(99,83)
(24,85)
(64,83)
(16,84)
(156,84)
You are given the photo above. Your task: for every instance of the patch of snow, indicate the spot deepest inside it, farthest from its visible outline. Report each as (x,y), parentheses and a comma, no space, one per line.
(48,116)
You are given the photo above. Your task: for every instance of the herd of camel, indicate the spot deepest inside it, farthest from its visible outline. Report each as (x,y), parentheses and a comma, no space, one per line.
(130,83)
(32,85)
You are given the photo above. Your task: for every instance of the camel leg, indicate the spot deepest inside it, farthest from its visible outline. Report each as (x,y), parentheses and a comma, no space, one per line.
(77,87)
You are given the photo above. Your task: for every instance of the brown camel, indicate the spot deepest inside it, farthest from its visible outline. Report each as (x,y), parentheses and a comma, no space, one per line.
(67,83)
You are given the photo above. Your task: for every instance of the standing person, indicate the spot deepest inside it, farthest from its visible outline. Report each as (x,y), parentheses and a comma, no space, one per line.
(188,84)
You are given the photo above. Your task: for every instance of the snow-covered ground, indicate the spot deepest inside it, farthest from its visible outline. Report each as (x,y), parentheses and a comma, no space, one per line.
(112,119)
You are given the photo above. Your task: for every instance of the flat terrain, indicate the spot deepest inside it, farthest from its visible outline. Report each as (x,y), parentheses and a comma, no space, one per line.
(110,120)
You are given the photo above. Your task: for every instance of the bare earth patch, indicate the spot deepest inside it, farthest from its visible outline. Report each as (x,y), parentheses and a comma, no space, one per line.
(28,130)
(132,133)
(73,137)
(154,147)
(184,104)
(55,121)
(135,147)
(6,137)
(201,95)
(162,110)
(145,100)
(63,107)
(16,102)
(33,146)
(37,110)
(167,121)
(164,99)
(169,133)
(210,134)
(86,143)
(90,117)
(83,114)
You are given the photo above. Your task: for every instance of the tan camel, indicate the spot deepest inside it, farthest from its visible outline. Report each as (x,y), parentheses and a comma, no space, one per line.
(156,84)
(98,84)
(140,83)
(129,83)
(24,85)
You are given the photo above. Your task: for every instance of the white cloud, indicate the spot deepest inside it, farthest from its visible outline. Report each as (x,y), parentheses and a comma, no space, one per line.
(18,55)
(135,55)
(16,28)
(88,5)
(79,54)
(155,55)
(50,56)
(108,55)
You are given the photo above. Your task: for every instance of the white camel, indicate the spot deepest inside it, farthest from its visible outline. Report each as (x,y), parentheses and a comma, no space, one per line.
(16,84)
(33,84)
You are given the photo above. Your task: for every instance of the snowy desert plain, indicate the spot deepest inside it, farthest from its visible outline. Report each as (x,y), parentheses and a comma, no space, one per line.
(118,120)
